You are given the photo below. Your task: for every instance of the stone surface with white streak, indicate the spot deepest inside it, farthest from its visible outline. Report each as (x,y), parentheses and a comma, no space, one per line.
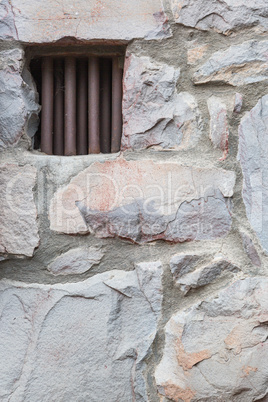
(219,128)
(51,20)
(238,103)
(241,64)
(193,271)
(18,224)
(18,99)
(82,340)
(217,349)
(223,16)
(144,201)
(154,114)
(76,261)
(253,145)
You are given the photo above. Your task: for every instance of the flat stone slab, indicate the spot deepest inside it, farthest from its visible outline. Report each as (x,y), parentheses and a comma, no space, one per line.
(217,349)
(192,271)
(76,261)
(224,16)
(82,340)
(51,20)
(18,223)
(144,201)
(253,145)
(240,64)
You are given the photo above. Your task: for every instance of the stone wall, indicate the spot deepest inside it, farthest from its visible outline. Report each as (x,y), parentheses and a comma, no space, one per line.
(139,276)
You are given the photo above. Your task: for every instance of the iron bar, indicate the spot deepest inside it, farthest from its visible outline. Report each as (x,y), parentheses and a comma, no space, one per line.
(82,107)
(105,105)
(116,105)
(47,106)
(70,106)
(59,108)
(93,105)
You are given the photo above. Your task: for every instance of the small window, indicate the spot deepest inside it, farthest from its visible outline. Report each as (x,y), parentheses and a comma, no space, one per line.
(81,102)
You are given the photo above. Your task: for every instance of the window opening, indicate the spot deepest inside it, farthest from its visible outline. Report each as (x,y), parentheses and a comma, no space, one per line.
(81,103)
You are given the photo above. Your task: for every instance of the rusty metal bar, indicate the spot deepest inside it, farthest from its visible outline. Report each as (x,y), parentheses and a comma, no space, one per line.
(82,107)
(59,108)
(47,106)
(105,105)
(116,105)
(70,107)
(93,105)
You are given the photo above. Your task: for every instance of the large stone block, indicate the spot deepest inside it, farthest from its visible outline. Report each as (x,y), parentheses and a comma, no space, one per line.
(84,341)
(18,99)
(144,201)
(154,114)
(241,64)
(222,16)
(253,145)
(18,225)
(217,349)
(48,21)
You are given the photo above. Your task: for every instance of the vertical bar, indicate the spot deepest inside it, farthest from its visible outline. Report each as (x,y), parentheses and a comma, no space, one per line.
(47,106)
(93,105)
(105,105)
(116,105)
(59,108)
(82,107)
(70,107)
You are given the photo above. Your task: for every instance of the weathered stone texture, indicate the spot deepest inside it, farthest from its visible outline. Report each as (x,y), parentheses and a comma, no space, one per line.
(217,349)
(191,272)
(7,24)
(144,201)
(18,100)
(50,20)
(241,64)
(76,261)
(82,341)
(18,225)
(222,16)
(219,129)
(154,114)
(253,145)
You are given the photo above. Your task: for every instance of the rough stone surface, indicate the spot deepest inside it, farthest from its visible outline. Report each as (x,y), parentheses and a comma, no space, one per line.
(190,272)
(250,249)
(79,340)
(144,201)
(241,64)
(253,145)
(51,20)
(217,349)
(18,225)
(222,16)
(154,114)
(238,103)
(18,100)
(76,261)
(219,128)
